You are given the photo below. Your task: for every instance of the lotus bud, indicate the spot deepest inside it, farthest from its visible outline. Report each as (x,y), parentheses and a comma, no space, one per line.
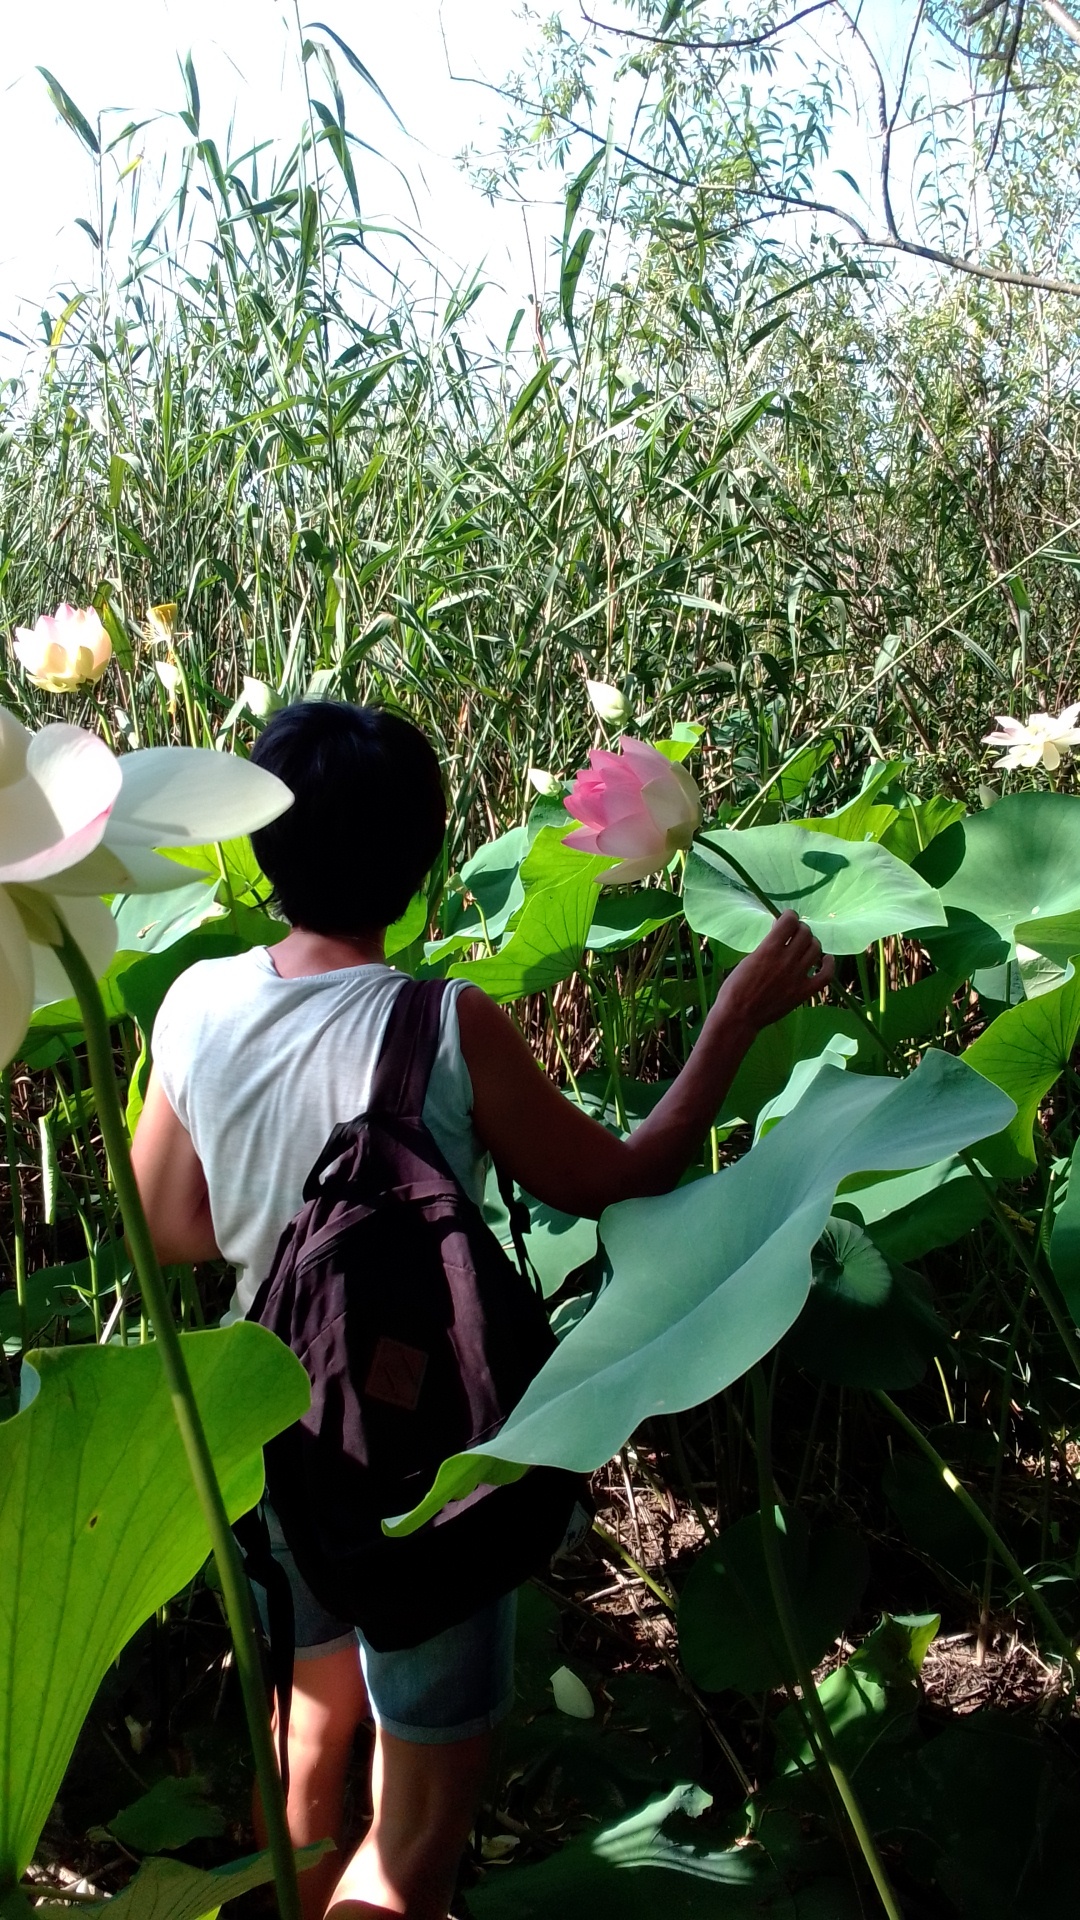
(547,784)
(612,706)
(260,699)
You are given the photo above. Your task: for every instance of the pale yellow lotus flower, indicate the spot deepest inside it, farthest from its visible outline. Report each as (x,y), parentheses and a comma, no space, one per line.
(76,822)
(65,650)
(1040,741)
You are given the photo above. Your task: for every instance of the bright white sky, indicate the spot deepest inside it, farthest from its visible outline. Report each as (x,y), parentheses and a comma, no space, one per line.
(123,54)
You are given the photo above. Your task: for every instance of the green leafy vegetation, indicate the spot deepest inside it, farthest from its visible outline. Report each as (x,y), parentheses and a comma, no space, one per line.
(811,525)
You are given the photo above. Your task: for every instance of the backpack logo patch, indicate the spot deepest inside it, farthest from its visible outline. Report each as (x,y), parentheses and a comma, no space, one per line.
(396,1374)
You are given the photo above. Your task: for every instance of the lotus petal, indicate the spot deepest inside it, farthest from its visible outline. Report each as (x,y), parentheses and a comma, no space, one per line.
(14,742)
(16,980)
(56,813)
(185,796)
(94,929)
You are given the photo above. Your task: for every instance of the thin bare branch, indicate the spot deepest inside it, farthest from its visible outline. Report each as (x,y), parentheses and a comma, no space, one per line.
(1010,57)
(795,203)
(709,46)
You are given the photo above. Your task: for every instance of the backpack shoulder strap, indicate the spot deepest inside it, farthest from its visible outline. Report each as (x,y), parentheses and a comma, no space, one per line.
(408,1051)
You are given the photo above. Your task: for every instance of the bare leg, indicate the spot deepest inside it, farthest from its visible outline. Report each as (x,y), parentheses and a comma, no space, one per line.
(329,1702)
(426,1799)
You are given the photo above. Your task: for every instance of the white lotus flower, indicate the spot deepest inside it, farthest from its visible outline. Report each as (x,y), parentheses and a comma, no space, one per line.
(607,701)
(1039,742)
(64,650)
(76,822)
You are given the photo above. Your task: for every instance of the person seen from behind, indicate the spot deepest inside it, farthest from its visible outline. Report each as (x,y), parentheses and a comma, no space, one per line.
(256,1059)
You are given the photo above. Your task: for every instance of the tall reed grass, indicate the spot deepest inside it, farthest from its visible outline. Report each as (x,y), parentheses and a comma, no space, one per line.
(739,486)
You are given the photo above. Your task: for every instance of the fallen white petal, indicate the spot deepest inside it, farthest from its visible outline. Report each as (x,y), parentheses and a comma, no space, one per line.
(572,1696)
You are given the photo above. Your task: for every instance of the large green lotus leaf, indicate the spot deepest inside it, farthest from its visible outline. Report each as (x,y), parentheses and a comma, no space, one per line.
(171,1890)
(1015,864)
(551,928)
(150,922)
(1043,972)
(246,882)
(705,1280)
(729,1631)
(1065,1240)
(404,932)
(848,892)
(871,1695)
(918,822)
(556,1242)
(801,1035)
(865,1323)
(63,1017)
(1023,1051)
(836,1053)
(912,1213)
(870,814)
(625,917)
(100,1524)
(634,1870)
(493,878)
(965,945)
(173,1812)
(915,1012)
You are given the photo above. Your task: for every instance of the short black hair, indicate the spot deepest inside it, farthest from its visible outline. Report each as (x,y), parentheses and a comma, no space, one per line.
(367,821)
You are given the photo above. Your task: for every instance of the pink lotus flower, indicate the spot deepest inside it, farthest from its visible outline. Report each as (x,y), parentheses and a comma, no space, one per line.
(65,650)
(635,804)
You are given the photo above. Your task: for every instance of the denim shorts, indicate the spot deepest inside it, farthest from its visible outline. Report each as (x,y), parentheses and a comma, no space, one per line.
(452,1687)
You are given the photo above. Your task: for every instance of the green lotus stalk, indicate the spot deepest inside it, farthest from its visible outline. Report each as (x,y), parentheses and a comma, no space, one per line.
(144,1259)
(811,1702)
(990,1534)
(18,1229)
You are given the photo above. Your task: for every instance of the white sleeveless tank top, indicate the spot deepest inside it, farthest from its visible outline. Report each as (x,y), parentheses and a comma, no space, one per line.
(260,1069)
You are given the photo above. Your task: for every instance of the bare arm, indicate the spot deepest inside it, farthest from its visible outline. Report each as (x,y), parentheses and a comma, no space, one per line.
(172,1184)
(569,1160)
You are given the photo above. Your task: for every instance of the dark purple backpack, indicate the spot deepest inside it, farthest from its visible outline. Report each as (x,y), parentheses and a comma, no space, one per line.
(419,1336)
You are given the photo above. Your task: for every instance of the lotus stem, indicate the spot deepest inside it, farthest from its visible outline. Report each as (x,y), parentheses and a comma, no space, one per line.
(18,1229)
(989,1532)
(185,1407)
(811,1702)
